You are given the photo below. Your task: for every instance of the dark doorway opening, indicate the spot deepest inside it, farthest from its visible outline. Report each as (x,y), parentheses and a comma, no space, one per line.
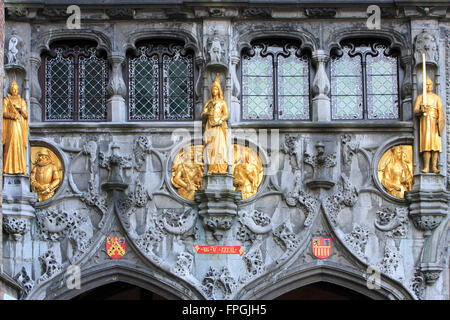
(322,291)
(118,291)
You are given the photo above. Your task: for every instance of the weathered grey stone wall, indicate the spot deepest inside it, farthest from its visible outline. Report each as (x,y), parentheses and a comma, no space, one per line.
(370,229)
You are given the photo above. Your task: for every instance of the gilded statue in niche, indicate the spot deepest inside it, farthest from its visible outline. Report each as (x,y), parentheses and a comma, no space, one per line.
(187,171)
(428,107)
(215,111)
(15,132)
(46,173)
(247,170)
(395,170)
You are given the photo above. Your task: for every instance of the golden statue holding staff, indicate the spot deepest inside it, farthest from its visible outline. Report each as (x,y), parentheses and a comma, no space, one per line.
(432,121)
(395,170)
(45,178)
(15,132)
(216,113)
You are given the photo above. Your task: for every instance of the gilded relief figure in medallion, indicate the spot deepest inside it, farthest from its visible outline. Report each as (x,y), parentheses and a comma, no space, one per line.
(45,174)
(215,111)
(428,107)
(395,170)
(15,132)
(187,171)
(247,171)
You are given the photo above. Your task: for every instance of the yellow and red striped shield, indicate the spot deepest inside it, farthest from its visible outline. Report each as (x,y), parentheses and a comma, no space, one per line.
(321,247)
(115,247)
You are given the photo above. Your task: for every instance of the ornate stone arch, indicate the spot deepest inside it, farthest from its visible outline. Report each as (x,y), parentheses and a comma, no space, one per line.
(190,41)
(308,41)
(99,275)
(331,272)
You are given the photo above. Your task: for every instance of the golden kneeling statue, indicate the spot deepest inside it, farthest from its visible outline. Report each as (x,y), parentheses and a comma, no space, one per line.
(215,111)
(15,132)
(247,171)
(187,171)
(395,170)
(428,107)
(45,176)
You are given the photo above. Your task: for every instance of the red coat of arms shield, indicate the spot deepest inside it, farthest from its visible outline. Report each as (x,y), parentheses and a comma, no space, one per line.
(115,247)
(321,247)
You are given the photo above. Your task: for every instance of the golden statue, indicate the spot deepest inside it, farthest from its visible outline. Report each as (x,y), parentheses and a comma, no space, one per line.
(187,171)
(215,111)
(45,173)
(247,170)
(15,132)
(395,170)
(428,107)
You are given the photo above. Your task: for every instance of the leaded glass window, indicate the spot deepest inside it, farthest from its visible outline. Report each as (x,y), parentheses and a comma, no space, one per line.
(364,83)
(275,83)
(161,83)
(75,80)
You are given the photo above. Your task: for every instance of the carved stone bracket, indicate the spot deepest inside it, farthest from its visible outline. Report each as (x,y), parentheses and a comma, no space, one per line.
(321,164)
(25,282)
(217,204)
(428,207)
(15,226)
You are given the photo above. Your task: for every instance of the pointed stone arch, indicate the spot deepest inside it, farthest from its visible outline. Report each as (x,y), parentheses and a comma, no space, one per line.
(97,276)
(329,272)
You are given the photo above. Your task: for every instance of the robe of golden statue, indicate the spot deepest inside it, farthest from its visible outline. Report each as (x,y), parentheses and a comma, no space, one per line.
(45,175)
(216,113)
(395,170)
(15,132)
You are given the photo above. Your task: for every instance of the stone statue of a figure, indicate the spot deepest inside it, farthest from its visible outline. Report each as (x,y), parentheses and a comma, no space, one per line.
(216,113)
(15,132)
(432,123)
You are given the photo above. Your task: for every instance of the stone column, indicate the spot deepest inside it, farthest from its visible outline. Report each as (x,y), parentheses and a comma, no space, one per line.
(116,107)
(428,207)
(35,90)
(321,106)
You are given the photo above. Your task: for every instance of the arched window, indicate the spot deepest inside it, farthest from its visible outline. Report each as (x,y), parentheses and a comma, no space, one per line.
(161,82)
(364,82)
(74,78)
(275,82)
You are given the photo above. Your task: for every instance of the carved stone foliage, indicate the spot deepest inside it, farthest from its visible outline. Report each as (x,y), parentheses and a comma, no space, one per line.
(391,260)
(357,240)
(50,265)
(218,285)
(114,162)
(54,225)
(322,165)
(254,262)
(394,222)
(291,148)
(25,282)
(15,226)
(285,237)
(184,264)
(142,147)
(304,200)
(418,284)
(349,149)
(346,195)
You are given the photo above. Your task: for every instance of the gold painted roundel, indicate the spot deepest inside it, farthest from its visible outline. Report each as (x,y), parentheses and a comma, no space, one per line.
(46,172)
(188,169)
(395,170)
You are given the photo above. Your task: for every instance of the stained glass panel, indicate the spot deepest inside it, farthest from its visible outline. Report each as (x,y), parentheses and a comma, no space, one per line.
(257,87)
(346,87)
(93,82)
(59,87)
(382,87)
(178,86)
(293,88)
(143,87)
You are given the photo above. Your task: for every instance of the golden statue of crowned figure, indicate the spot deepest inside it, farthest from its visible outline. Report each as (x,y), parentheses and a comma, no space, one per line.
(15,132)
(428,107)
(215,111)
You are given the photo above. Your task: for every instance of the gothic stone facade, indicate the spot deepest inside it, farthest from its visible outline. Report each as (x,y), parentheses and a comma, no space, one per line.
(116,172)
